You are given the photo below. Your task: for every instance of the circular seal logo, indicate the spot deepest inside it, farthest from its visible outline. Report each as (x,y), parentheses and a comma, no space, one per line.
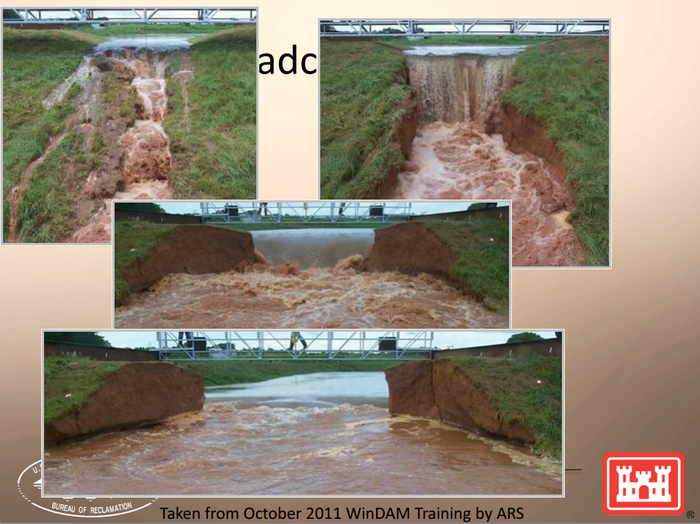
(29,486)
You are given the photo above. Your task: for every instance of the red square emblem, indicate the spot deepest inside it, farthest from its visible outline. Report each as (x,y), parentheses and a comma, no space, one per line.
(643,483)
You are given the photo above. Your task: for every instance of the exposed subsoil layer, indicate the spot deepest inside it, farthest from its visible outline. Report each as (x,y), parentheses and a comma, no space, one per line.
(442,391)
(135,395)
(410,248)
(192,250)
(138,160)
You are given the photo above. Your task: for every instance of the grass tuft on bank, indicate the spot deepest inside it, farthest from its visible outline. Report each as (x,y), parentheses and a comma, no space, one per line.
(565,85)
(214,147)
(364,95)
(70,382)
(34,63)
(512,384)
(482,249)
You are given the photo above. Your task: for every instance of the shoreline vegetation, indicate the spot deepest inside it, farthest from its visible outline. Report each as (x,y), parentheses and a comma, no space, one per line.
(563,83)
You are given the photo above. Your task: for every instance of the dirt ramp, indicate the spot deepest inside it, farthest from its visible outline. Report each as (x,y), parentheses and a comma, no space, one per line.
(411,247)
(443,391)
(194,250)
(138,394)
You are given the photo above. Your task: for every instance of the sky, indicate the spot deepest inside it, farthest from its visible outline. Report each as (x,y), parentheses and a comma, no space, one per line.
(442,339)
(416,207)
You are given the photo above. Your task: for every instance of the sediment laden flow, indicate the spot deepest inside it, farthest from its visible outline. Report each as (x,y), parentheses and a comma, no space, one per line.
(263,447)
(285,296)
(146,158)
(456,154)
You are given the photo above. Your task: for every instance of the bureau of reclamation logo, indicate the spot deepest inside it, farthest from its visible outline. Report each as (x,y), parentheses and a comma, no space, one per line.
(643,483)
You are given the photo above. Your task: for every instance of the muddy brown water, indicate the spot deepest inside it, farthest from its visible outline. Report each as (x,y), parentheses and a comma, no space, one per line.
(288,297)
(302,435)
(458,90)
(144,158)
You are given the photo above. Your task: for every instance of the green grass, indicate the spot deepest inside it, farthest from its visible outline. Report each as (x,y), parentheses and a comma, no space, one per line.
(79,378)
(565,85)
(214,150)
(47,213)
(465,40)
(364,92)
(35,62)
(512,384)
(224,373)
(133,240)
(482,264)
(150,29)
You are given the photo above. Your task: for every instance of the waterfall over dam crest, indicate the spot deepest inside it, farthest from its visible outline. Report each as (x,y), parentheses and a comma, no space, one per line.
(461,86)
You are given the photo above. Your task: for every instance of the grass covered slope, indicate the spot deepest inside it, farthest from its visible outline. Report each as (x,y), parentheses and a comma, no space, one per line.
(214,146)
(35,62)
(512,383)
(70,382)
(133,240)
(565,85)
(482,250)
(363,98)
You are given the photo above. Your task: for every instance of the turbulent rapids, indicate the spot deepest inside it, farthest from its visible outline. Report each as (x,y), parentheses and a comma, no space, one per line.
(139,160)
(286,296)
(458,152)
(328,433)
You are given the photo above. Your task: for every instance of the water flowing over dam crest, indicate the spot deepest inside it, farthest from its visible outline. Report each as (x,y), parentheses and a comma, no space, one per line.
(316,434)
(118,117)
(459,151)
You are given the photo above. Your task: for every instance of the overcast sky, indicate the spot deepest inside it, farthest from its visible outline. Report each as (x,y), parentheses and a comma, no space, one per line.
(443,339)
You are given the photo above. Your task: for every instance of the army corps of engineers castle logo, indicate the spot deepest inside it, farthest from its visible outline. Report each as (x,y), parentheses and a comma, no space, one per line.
(643,483)
(29,485)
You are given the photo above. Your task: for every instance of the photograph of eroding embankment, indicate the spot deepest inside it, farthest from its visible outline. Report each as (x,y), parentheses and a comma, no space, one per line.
(122,104)
(266,413)
(475,109)
(391,264)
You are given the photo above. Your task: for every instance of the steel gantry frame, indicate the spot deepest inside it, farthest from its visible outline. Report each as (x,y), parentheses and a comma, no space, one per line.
(317,212)
(466,26)
(276,345)
(82,15)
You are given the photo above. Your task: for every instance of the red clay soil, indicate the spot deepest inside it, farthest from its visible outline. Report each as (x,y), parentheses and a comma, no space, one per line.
(440,390)
(138,394)
(194,250)
(525,134)
(411,247)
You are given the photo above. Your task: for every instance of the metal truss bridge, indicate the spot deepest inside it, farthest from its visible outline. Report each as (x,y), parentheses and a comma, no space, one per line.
(81,15)
(463,26)
(316,212)
(305,345)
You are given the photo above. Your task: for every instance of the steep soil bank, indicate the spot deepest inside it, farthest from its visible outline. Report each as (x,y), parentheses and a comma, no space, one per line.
(192,250)
(135,395)
(411,247)
(524,134)
(440,390)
